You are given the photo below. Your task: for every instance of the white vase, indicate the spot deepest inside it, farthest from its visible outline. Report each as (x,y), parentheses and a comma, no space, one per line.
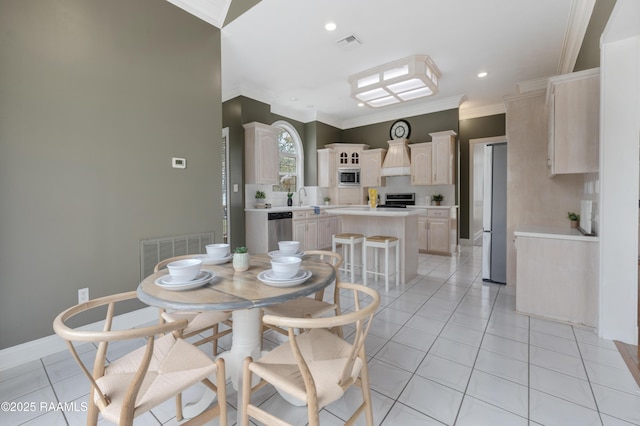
(326,203)
(241,261)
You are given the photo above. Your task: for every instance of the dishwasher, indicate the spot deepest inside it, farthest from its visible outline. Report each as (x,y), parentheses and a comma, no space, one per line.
(279,228)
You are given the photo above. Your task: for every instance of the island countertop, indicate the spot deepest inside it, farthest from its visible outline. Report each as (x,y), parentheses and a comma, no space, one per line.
(367,211)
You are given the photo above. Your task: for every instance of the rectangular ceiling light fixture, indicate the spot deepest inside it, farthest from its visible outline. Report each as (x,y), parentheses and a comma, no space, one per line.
(398,81)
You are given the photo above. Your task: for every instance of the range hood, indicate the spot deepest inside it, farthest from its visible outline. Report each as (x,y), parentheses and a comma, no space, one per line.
(397,161)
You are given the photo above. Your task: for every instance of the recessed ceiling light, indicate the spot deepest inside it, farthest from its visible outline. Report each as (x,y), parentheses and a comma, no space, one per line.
(330,26)
(361,104)
(483,74)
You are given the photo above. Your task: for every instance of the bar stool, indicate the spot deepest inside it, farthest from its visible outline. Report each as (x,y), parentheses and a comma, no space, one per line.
(347,239)
(386,243)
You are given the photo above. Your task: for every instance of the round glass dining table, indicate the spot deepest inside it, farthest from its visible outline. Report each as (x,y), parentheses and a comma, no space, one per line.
(243,294)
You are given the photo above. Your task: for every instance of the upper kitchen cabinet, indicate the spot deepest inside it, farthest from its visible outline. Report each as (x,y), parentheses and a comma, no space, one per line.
(443,149)
(370,175)
(421,163)
(348,155)
(573,101)
(432,163)
(261,154)
(327,172)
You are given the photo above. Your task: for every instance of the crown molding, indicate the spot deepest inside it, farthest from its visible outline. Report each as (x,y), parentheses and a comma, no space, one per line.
(213,12)
(579,17)
(482,111)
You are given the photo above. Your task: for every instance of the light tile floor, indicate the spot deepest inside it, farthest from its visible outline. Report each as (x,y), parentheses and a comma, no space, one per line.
(445,348)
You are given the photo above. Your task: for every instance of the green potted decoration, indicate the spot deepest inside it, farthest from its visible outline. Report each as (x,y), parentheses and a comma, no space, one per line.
(327,200)
(260,197)
(289,198)
(574,218)
(437,198)
(241,259)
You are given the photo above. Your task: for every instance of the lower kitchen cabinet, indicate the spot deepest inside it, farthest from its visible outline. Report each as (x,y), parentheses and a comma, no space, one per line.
(314,231)
(306,231)
(422,232)
(327,227)
(438,231)
(557,276)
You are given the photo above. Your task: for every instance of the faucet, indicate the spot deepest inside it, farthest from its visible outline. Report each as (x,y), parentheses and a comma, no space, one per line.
(299,197)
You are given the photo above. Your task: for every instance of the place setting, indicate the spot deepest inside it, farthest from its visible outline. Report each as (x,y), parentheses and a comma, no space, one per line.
(287,249)
(184,275)
(217,254)
(284,272)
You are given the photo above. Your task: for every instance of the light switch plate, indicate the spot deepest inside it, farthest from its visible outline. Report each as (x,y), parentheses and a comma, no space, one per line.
(179,163)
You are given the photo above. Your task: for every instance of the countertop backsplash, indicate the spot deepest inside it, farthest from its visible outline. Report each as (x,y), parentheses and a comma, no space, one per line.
(402,184)
(314,197)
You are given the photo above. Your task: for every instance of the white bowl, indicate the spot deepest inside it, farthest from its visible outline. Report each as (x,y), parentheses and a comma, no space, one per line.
(217,251)
(285,267)
(288,247)
(184,270)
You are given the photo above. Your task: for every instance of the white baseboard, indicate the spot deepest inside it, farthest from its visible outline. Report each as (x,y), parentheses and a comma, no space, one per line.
(36,349)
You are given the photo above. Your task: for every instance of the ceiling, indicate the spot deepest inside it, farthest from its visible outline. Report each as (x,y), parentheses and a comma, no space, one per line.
(278,52)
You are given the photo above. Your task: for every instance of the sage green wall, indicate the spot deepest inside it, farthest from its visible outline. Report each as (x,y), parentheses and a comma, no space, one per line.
(376,135)
(589,54)
(235,113)
(473,128)
(95,98)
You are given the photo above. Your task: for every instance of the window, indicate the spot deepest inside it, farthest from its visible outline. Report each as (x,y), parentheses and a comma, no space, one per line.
(291,168)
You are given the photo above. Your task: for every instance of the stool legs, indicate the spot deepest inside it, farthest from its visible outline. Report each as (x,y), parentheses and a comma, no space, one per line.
(364,264)
(348,255)
(385,243)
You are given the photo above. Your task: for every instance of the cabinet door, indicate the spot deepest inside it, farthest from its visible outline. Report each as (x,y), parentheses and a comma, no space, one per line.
(574,136)
(442,162)
(299,233)
(327,173)
(311,234)
(422,233)
(438,235)
(262,159)
(421,166)
(324,239)
(371,167)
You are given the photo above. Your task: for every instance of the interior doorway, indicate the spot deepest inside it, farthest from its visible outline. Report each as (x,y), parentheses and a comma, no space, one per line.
(476,176)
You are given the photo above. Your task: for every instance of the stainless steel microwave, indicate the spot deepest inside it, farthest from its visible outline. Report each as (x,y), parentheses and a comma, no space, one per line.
(348,177)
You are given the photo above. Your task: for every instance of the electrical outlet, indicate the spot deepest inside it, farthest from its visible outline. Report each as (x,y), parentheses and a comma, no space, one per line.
(83,295)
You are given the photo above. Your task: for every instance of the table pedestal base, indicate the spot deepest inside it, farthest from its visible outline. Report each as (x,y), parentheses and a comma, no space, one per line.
(246,341)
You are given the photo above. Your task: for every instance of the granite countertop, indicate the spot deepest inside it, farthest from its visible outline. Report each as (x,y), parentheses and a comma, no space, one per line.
(555,232)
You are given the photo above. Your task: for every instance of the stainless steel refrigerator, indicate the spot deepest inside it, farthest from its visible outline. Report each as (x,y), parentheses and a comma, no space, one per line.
(494,215)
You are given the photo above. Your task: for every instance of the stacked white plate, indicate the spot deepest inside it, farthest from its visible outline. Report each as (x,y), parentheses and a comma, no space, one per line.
(210,260)
(269,278)
(278,253)
(167,283)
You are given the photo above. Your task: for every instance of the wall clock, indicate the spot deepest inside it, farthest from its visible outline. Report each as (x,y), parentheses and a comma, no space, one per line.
(400,129)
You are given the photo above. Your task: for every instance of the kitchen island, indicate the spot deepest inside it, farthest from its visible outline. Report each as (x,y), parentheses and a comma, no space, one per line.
(400,223)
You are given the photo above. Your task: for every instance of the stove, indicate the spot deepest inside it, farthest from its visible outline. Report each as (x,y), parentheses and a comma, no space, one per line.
(399,201)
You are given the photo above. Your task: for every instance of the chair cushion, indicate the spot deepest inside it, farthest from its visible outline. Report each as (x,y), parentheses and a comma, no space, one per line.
(197,320)
(175,366)
(325,354)
(300,308)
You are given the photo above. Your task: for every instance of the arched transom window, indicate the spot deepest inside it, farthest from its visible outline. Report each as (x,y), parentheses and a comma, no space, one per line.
(291,168)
